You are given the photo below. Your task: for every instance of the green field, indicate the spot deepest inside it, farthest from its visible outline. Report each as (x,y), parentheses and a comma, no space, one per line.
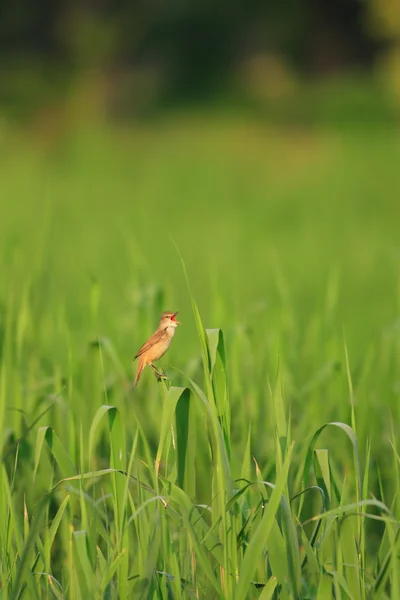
(222,482)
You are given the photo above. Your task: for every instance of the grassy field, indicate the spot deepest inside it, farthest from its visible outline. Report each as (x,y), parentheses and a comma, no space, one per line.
(267,466)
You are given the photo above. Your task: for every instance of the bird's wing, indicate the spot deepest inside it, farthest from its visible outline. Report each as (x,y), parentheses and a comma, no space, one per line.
(154,339)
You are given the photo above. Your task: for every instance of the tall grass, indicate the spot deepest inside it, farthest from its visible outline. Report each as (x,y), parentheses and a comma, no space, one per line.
(94,507)
(267,465)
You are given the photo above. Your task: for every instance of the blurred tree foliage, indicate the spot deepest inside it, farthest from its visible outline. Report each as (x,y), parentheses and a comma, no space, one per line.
(143,50)
(384,23)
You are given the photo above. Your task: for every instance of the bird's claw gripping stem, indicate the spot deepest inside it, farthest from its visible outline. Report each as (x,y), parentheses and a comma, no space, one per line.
(159,374)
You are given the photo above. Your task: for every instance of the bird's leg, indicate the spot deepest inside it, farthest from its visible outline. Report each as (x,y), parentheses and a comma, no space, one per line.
(159,375)
(154,369)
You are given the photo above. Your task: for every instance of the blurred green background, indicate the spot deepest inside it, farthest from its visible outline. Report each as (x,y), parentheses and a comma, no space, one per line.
(262,139)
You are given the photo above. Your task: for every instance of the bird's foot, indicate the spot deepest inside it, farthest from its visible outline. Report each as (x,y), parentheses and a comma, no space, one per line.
(160,375)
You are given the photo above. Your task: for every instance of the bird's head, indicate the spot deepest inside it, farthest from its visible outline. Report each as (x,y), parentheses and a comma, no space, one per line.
(168,319)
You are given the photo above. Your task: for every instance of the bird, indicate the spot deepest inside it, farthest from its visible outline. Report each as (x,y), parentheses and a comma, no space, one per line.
(157,345)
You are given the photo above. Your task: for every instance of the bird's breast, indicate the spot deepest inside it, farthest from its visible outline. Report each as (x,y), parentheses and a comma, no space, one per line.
(170,332)
(159,349)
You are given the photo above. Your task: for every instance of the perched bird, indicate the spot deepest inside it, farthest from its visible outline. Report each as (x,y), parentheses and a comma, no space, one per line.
(157,345)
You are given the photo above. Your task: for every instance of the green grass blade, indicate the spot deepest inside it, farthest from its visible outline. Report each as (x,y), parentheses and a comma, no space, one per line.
(83,562)
(352,437)
(171,400)
(58,451)
(260,536)
(269,589)
(186,443)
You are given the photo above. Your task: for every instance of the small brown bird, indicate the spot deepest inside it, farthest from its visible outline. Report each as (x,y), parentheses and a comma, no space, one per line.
(157,345)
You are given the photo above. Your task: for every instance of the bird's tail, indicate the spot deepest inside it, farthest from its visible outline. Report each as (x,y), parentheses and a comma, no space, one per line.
(141,365)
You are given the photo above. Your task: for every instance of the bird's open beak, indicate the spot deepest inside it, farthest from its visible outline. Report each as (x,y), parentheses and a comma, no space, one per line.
(175,320)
